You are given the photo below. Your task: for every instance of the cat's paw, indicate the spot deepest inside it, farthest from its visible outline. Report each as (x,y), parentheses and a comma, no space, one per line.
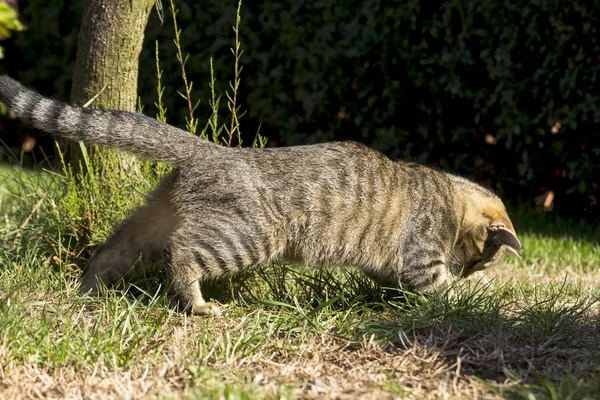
(208,308)
(88,285)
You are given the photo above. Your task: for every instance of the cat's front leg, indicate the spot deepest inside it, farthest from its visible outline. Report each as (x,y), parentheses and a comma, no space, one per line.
(425,271)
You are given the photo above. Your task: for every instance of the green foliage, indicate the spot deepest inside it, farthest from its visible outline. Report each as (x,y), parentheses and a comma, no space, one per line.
(569,388)
(43,56)
(9,21)
(478,87)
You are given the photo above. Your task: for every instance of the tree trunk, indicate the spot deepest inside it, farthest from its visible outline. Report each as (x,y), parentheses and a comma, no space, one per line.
(108,49)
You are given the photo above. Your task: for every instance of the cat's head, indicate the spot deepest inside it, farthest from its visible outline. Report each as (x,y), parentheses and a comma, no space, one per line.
(486,231)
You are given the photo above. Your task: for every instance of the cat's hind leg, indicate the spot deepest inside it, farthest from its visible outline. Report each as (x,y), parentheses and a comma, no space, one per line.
(140,236)
(213,243)
(186,268)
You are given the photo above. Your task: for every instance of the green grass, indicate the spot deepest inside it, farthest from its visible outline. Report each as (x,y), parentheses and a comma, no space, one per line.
(528,328)
(15,184)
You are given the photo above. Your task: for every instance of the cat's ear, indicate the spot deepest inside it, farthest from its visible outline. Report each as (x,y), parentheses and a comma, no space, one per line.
(504,237)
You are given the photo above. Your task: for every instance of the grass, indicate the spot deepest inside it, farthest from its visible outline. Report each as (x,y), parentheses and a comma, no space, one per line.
(526,329)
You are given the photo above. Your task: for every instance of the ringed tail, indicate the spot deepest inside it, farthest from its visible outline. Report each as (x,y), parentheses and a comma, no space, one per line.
(132,132)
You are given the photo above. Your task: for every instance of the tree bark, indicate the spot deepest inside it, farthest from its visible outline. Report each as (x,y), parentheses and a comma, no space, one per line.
(108,49)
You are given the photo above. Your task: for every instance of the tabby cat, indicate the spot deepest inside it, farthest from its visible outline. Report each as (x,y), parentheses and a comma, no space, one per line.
(223,210)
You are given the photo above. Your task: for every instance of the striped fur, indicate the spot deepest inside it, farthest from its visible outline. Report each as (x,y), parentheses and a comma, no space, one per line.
(128,131)
(333,204)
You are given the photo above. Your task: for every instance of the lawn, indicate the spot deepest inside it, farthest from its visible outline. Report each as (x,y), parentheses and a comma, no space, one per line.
(528,328)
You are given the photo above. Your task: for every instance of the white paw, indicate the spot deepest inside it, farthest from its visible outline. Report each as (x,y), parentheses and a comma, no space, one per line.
(208,308)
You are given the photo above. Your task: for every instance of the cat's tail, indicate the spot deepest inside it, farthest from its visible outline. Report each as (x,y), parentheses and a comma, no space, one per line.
(129,131)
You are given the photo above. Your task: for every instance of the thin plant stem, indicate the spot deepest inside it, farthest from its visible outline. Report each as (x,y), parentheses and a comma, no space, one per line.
(161,114)
(182,62)
(236,79)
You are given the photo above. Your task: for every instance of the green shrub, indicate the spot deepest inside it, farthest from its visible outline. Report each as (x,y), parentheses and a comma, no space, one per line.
(476,87)
(9,21)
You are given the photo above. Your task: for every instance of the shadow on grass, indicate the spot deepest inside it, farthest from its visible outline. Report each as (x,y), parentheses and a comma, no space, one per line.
(544,338)
(547,338)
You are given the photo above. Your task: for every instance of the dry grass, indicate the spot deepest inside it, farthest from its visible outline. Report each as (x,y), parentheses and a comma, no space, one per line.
(479,343)
(321,369)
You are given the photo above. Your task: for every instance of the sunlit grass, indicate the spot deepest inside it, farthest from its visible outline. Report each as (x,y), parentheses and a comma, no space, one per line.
(525,328)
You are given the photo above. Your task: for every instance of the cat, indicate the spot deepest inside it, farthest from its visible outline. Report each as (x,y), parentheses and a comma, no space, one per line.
(224,209)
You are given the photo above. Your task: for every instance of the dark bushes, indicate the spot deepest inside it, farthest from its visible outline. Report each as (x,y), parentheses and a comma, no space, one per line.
(502,92)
